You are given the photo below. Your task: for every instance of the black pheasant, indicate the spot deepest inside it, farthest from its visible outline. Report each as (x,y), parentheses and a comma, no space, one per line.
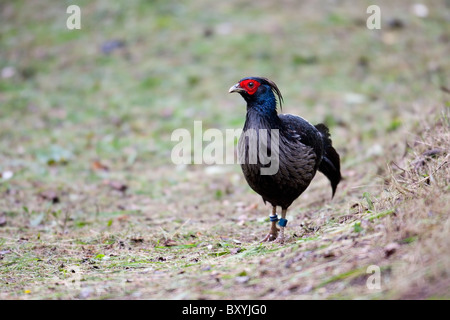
(281,153)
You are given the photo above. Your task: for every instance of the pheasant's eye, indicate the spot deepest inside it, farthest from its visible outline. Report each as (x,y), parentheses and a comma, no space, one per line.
(250,85)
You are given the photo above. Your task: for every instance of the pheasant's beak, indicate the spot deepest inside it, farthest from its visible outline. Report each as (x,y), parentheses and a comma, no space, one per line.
(236,88)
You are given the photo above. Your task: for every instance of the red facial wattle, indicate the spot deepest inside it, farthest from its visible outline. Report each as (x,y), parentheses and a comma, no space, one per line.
(250,85)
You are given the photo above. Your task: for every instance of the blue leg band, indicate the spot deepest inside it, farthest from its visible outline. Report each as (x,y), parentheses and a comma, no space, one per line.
(273,218)
(282,222)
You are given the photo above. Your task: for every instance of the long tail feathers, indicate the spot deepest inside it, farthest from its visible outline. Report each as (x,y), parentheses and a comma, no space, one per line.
(330,165)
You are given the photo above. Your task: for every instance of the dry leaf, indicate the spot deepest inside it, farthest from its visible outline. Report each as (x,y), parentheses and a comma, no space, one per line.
(98,166)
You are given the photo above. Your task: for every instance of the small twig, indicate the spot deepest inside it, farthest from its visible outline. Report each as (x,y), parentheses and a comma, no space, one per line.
(397,185)
(426,178)
(16,252)
(398,166)
(367,186)
(179,228)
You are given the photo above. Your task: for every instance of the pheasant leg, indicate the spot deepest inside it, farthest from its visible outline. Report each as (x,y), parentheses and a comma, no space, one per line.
(282,223)
(273,233)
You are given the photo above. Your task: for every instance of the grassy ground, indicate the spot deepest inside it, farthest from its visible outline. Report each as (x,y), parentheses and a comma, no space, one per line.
(91,206)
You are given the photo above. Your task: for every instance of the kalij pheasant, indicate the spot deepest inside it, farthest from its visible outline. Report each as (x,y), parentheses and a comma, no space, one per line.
(281,153)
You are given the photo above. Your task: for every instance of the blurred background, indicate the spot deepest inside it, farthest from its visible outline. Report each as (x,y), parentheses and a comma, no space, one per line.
(117,88)
(86,115)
